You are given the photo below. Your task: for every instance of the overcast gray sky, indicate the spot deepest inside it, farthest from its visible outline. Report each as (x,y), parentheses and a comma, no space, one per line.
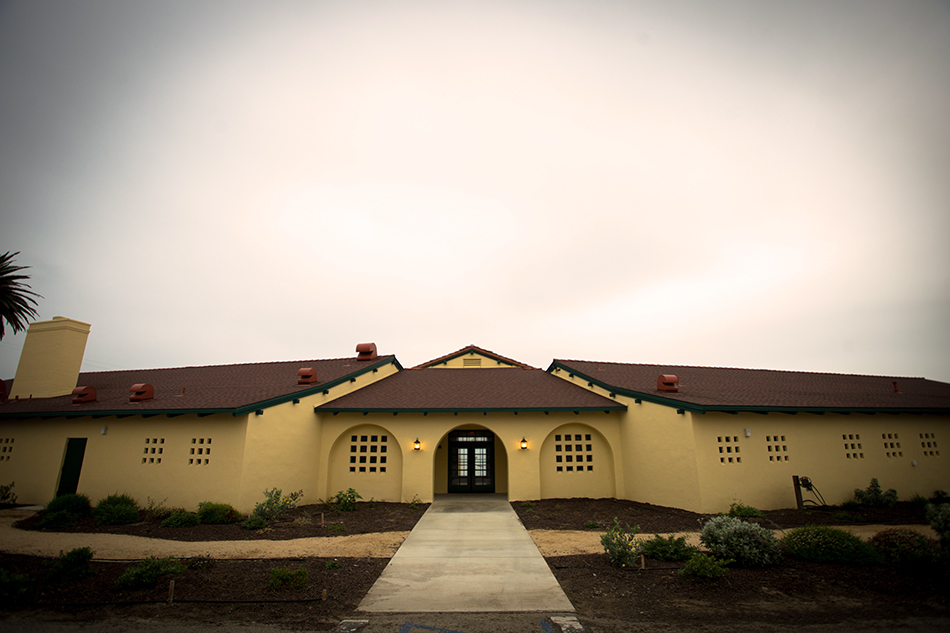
(731,183)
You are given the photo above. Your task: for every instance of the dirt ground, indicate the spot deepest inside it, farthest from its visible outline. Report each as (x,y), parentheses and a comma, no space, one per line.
(230,583)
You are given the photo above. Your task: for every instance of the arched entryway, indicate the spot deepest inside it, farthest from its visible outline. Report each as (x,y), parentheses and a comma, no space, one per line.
(471,461)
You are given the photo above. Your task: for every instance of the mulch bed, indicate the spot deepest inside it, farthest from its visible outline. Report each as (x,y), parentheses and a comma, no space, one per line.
(605,596)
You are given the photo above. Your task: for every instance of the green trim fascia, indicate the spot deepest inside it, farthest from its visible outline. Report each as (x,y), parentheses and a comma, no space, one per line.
(242,410)
(702,409)
(325,409)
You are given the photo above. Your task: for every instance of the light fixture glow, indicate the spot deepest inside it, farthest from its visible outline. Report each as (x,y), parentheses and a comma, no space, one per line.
(524,444)
(416,445)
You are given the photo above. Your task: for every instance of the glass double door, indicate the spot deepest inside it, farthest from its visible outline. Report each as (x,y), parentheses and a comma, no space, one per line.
(471,461)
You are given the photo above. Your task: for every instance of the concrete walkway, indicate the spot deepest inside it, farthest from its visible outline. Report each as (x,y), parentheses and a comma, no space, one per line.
(468,553)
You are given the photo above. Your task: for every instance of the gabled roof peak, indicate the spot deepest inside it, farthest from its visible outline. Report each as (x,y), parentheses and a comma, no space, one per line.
(472,349)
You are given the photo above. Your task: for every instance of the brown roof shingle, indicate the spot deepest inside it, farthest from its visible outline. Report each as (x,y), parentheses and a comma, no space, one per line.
(208,388)
(712,388)
(493,389)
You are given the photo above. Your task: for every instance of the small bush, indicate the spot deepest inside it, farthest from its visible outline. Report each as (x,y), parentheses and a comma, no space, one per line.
(254,522)
(286,578)
(65,510)
(939,518)
(200,562)
(748,544)
(156,509)
(873,496)
(704,567)
(146,574)
(6,493)
(527,504)
(14,588)
(903,546)
(181,520)
(344,501)
(274,505)
(671,549)
(218,513)
(823,544)
(619,544)
(337,528)
(72,565)
(116,510)
(331,564)
(851,505)
(939,496)
(592,525)
(738,509)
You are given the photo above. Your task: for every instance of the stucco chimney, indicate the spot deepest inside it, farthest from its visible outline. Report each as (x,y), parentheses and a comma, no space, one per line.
(51,358)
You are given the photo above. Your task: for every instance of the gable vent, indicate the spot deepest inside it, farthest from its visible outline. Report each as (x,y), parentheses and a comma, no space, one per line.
(668,382)
(141,392)
(366,351)
(471,362)
(306,376)
(82,395)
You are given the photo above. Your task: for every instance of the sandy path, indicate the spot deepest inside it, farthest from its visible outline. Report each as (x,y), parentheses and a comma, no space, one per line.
(379,545)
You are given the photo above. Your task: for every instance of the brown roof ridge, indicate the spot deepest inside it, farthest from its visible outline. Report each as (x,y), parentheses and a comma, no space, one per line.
(472,348)
(255,363)
(753,369)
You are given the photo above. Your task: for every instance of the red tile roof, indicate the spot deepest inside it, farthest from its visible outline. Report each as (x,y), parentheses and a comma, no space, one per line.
(712,388)
(208,388)
(493,389)
(477,350)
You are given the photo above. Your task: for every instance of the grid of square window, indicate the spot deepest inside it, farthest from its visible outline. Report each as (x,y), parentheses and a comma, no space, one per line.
(729,449)
(928,442)
(153,450)
(200,449)
(573,453)
(890,445)
(851,445)
(368,453)
(6,447)
(777,448)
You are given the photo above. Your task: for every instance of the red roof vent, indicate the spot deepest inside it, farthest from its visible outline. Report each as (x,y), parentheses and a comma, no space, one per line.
(306,376)
(141,392)
(668,382)
(82,395)
(366,351)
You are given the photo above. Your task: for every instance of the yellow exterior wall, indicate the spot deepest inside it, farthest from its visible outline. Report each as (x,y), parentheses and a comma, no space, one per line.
(113,462)
(51,358)
(577,461)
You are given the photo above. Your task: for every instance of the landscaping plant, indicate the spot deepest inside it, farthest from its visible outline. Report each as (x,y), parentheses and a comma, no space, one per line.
(823,544)
(116,509)
(938,515)
(181,519)
(72,565)
(704,567)
(64,510)
(903,546)
(284,578)
(6,493)
(738,509)
(748,544)
(147,573)
(210,513)
(873,496)
(14,588)
(275,505)
(670,548)
(619,544)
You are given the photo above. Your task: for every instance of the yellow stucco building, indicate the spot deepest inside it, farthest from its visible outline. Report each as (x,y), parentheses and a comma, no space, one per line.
(698,438)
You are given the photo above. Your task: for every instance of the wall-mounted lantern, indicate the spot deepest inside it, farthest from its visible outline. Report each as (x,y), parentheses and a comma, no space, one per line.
(416,445)
(524,444)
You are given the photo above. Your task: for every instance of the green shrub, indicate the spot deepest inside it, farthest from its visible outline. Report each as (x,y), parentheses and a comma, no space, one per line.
(704,567)
(147,573)
(873,496)
(254,522)
(939,518)
(851,505)
(14,588)
(218,513)
(344,501)
(64,510)
(939,496)
(72,565)
(284,578)
(903,546)
(331,564)
(157,510)
(6,493)
(848,516)
(116,510)
(738,509)
(592,525)
(619,544)
(337,528)
(274,505)
(200,562)
(748,544)
(823,544)
(671,549)
(181,519)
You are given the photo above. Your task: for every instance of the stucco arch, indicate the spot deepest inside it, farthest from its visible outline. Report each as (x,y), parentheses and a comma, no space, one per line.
(358,463)
(440,466)
(568,471)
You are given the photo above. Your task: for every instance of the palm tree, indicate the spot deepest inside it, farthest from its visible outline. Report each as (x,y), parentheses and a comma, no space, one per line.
(15,295)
